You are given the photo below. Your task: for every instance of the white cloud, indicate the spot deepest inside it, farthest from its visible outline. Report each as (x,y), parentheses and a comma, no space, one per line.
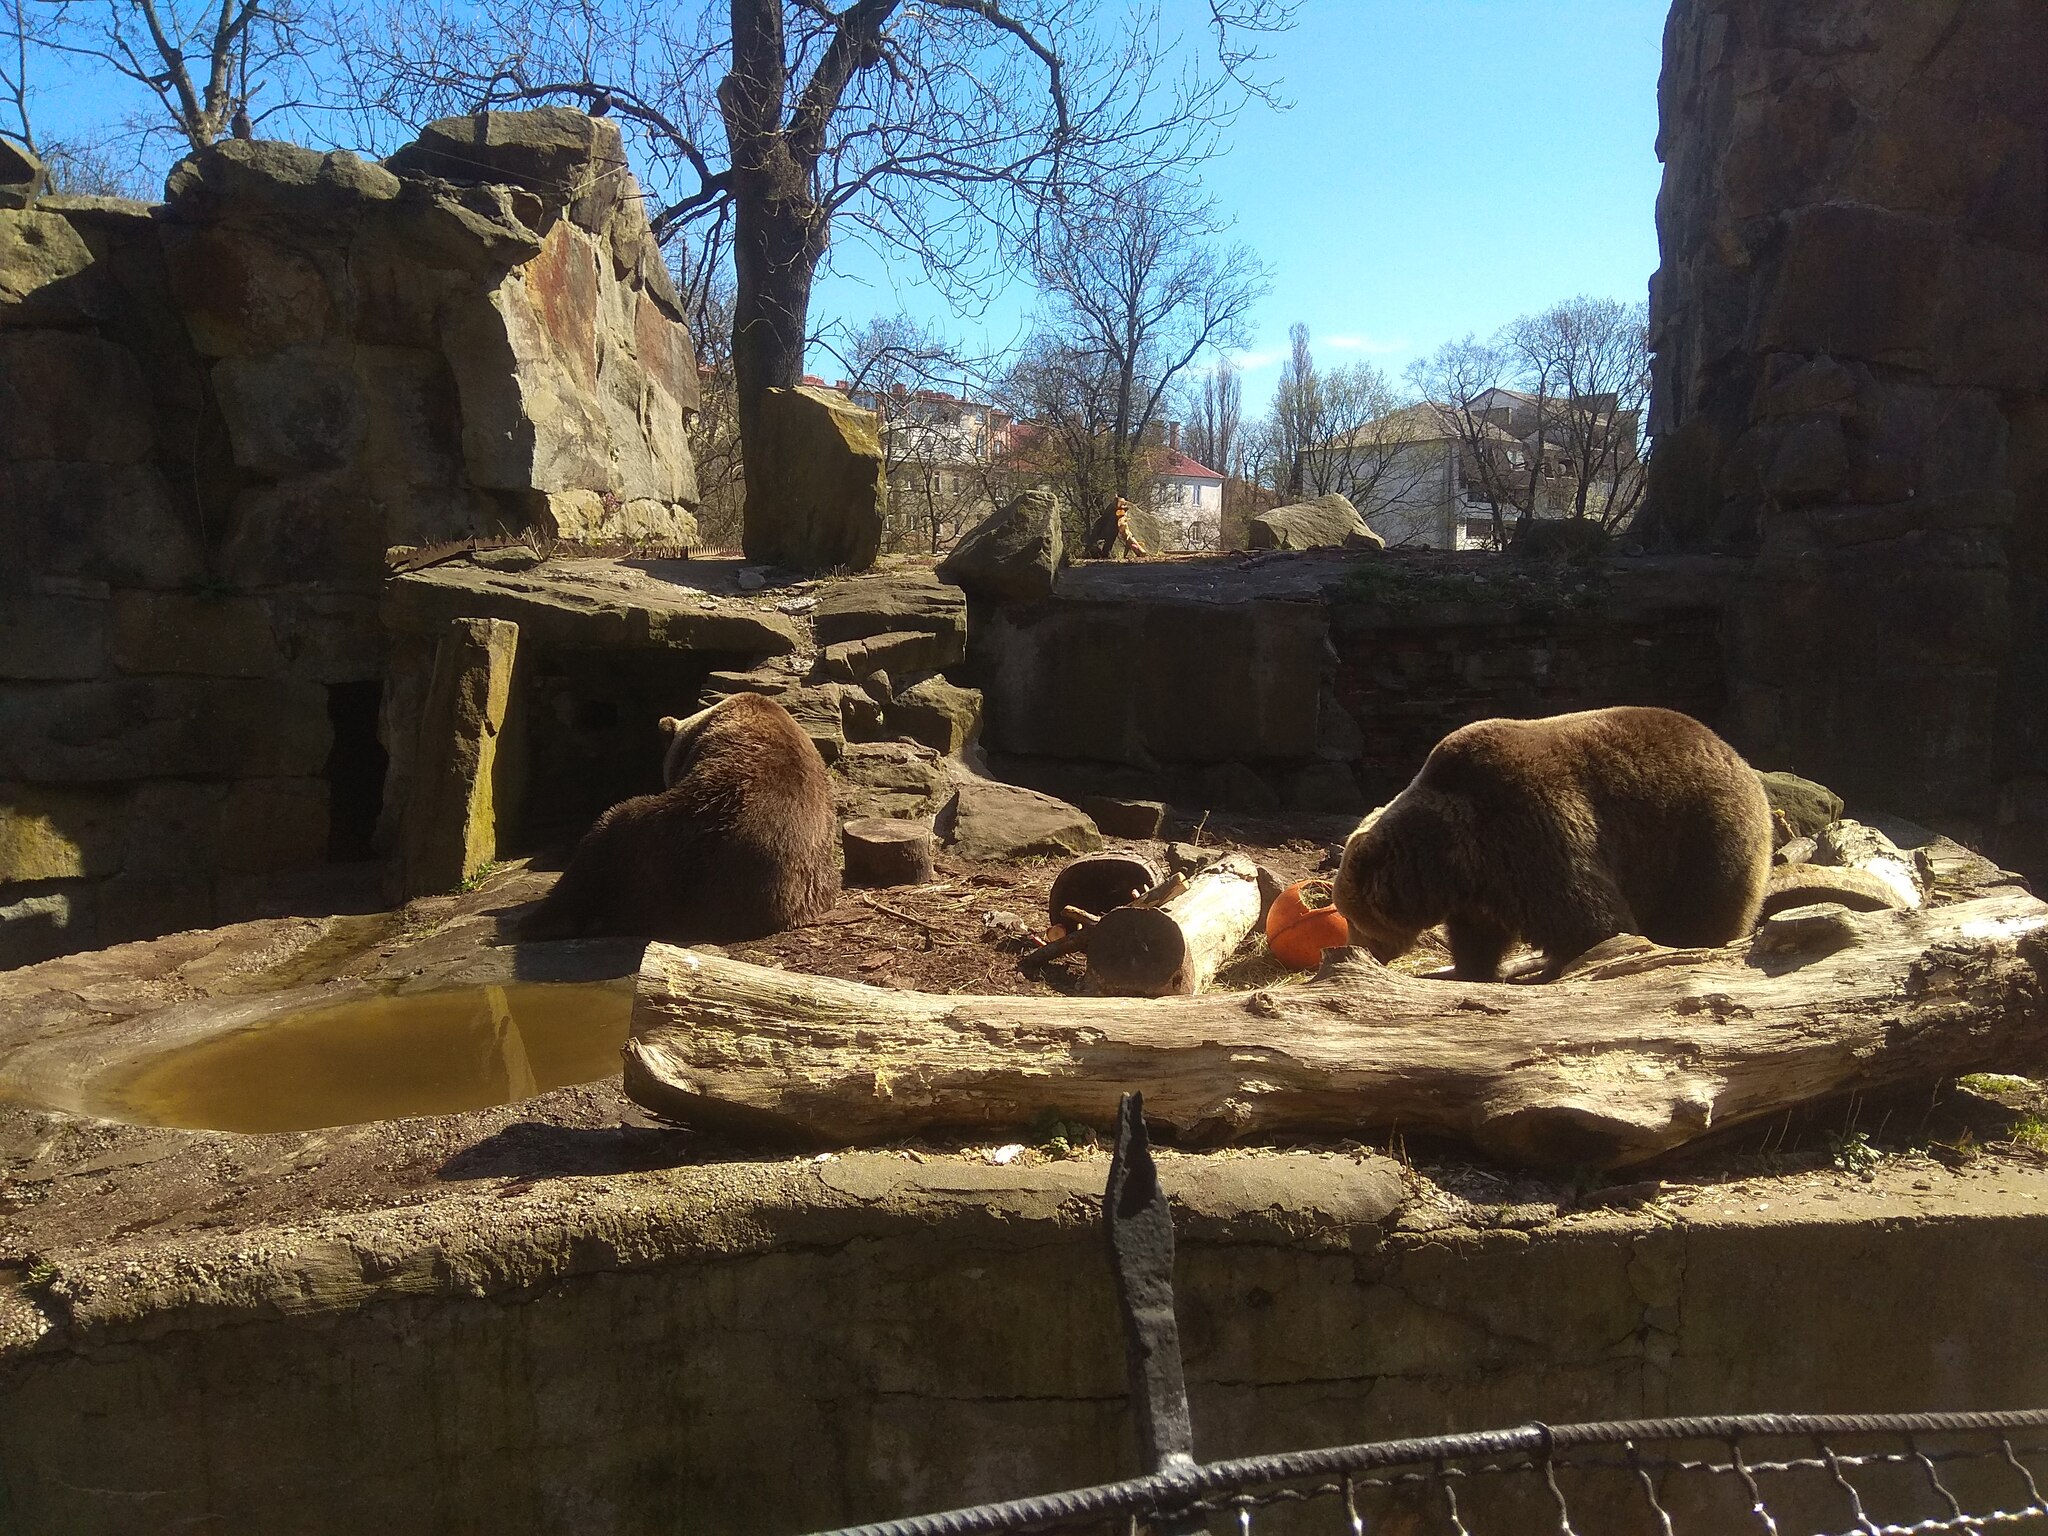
(1251,359)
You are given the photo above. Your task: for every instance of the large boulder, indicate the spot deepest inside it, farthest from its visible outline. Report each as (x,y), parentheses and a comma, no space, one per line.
(1806,806)
(890,604)
(558,151)
(1013,554)
(21,173)
(816,492)
(1327,522)
(988,820)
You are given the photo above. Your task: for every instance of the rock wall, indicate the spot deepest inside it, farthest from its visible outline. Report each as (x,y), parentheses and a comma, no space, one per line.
(1851,329)
(792,1346)
(215,416)
(1319,683)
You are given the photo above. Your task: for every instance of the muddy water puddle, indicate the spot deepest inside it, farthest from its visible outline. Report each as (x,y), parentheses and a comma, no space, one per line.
(380,1058)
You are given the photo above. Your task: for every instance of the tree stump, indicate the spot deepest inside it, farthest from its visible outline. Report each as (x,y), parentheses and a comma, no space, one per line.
(1172,949)
(885,850)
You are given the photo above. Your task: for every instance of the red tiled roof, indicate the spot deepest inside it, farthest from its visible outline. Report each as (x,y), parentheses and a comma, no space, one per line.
(1174,462)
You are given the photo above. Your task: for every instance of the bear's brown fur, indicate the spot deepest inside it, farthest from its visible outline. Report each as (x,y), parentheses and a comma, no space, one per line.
(742,843)
(1560,833)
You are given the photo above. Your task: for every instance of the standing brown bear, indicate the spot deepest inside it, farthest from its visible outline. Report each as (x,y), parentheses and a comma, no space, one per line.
(742,843)
(1560,833)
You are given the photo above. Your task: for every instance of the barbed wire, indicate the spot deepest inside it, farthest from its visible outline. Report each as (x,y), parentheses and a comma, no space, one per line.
(1624,1472)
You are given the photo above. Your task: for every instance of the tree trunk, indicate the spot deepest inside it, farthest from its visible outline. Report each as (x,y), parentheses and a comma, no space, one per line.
(775,257)
(1636,1051)
(1171,950)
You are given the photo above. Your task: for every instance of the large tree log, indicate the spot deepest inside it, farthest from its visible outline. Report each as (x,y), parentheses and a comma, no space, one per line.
(1634,1051)
(1173,948)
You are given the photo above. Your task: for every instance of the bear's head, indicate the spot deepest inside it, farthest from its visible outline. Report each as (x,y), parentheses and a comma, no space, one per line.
(682,737)
(1391,883)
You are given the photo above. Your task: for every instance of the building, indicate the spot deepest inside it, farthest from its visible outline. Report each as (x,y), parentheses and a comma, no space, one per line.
(1431,475)
(1188,498)
(938,450)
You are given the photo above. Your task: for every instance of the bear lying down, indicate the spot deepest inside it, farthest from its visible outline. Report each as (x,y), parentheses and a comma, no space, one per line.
(1559,833)
(741,844)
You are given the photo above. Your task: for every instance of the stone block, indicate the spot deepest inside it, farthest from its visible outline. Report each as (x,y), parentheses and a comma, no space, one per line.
(413,423)
(327,637)
(1855,281)
(588,605)
(1236,787)
(129,728)
(51,639)
(296,411)
(286,185)
(450,820)
(557,151)
(267,825)
(98,522)
(318,528)
(53,833)
(816,492)
(1338,738)
(902,652)
(1117,817)
(133,906)
(892,603)
(988,820)
(158,632)
(1013,554)
(820,712)
(1991,323)
(889,779)
(1811,463)
(46,272)
(70,396)
(172,827)
(935,712)
(241,293)
(1325,788)
(1806,806)
(41,921)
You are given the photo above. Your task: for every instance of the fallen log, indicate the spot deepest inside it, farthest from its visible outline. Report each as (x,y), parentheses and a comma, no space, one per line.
(1172,947)
(1635,1051)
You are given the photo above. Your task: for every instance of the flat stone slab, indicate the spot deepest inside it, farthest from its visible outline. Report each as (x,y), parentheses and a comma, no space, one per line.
(989,820)
(602,604)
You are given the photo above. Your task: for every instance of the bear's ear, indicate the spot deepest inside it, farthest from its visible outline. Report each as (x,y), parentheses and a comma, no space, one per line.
(669,726)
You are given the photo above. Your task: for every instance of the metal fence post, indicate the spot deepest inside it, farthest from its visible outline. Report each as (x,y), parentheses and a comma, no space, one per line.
(1139,1224)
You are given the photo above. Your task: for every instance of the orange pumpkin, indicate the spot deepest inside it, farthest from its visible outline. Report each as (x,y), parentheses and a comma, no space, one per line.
(1302,923)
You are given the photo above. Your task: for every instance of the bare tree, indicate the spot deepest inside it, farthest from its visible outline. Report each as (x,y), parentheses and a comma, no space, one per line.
(1490,466)
(1215,427)
(204,63)
(1137,286)
(946,129)
(1594,353)
(935,441)
(715,428)
(23,29)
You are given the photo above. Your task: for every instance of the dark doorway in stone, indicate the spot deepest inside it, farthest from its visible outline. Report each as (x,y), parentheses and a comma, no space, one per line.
(355,770)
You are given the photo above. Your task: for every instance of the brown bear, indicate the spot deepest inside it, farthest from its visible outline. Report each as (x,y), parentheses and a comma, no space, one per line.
(742,843)
(1560,833)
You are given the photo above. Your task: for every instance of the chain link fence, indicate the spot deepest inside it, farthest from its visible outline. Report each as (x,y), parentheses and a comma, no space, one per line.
(1780,1475)
(1768,1474)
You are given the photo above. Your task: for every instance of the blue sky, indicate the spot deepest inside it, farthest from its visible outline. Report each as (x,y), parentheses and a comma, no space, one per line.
(1446,166)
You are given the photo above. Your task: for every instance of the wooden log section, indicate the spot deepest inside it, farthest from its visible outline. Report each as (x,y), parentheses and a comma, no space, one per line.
(1635,1051)
(883,850)
(1172,949)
